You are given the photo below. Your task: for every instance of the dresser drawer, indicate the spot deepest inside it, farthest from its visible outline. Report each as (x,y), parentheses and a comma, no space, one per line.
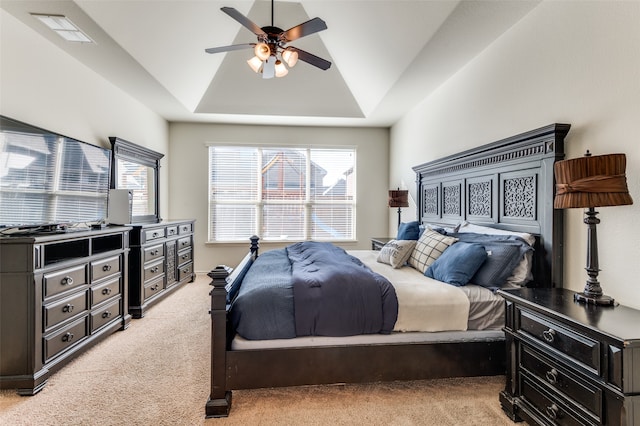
(574,345)
(105,291)
(548,406)
(185,271)
(153,270)
(154,234)
(183,243)
(154,252)
(185,228)
(185,256)
(66,280)
(572,386)
(65,338)
(152,288)
(56,313)
(172,230)
(104,268)
(105,314)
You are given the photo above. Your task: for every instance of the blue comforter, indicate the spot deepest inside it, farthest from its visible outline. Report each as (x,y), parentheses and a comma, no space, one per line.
(312,289)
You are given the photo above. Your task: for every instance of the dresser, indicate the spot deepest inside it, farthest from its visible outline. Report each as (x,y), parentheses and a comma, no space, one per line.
(59,294)
(378,242)
(569,363)
(160,260)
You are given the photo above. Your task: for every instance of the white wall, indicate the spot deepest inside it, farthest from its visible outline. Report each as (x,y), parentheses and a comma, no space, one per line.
(568,62)
(189,166)
(44,86)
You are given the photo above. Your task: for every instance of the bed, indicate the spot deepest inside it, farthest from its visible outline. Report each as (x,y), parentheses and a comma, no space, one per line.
(507,185)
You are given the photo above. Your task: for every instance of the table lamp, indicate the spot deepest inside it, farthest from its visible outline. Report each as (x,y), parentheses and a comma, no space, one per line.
(588,182)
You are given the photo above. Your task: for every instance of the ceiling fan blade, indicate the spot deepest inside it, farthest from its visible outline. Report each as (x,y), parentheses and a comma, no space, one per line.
(311,26)
(246,22)
(311,59)
(229,48)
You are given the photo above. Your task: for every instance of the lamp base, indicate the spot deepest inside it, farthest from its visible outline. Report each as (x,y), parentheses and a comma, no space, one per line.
(602,300)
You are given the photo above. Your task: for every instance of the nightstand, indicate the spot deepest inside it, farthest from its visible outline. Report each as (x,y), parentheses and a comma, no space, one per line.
(570,363)
(378,242)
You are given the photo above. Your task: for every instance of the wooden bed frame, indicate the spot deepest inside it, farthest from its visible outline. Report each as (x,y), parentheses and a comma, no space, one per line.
(507,184)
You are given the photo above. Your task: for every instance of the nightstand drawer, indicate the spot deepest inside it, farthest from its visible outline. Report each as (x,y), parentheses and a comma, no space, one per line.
(574,345)
(550,408)
(559,379)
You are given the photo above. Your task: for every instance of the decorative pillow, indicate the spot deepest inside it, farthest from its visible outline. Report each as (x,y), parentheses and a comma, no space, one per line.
(408,231)
(522,272)
(466,227)
(458,263)
(396,252)
(437,228)
(504,252)
(428,248)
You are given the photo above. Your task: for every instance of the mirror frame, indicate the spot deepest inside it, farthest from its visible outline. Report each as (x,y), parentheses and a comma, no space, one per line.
(129,151)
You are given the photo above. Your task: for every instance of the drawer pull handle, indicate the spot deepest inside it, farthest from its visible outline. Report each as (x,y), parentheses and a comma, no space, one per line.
(155,252)
(106,268)
(67,281)
(184,243)
(106,314)
(106,291)
(552,376)
(154,269)
(67,337)
(155,287)
(68,308)
(553,411)
(155,234)
(172,231)
(549,335)
(184,256)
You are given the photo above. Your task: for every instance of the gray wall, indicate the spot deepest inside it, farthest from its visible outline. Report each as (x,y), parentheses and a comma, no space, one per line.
(189,165)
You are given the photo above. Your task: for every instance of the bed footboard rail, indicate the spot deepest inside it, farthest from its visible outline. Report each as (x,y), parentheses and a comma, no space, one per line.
(225,282)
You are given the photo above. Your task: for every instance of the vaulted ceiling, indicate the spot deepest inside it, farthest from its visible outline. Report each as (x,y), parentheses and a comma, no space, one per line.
(386,56)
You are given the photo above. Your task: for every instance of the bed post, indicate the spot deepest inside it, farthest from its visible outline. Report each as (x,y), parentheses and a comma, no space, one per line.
(219,402)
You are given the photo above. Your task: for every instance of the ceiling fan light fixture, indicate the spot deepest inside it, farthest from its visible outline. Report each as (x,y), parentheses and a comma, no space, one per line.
(262,51)
(290,57)
(280,69)
(255,63)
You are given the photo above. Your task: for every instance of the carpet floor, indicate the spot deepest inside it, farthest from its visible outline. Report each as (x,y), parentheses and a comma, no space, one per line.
(157,373)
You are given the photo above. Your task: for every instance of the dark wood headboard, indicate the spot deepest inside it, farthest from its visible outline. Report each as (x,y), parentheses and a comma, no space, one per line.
(507,184)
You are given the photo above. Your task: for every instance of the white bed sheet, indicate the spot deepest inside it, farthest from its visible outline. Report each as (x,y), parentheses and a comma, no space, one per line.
(424,304)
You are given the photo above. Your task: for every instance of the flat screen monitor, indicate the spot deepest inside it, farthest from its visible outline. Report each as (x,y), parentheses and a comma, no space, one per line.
(47,179)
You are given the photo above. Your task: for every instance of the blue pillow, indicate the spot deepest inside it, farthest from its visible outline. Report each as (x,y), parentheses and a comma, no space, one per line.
(504,252)
(458,263)
(409,231)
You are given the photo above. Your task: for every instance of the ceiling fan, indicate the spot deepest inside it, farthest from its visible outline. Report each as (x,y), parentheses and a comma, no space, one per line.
(271,50)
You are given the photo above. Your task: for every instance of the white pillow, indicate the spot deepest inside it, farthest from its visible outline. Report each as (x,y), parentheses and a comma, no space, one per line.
(396,252)
(428,248)
(479,229)
(522,272)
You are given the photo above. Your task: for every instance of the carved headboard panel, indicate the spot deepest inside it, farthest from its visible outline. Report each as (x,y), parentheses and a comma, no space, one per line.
(507,184)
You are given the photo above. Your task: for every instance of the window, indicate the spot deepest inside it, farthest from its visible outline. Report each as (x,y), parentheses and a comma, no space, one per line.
(281,194)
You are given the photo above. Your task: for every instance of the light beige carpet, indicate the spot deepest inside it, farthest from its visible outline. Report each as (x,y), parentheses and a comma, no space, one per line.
(157,373)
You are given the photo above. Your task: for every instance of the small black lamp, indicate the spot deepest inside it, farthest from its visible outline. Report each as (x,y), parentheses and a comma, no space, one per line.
(398,198)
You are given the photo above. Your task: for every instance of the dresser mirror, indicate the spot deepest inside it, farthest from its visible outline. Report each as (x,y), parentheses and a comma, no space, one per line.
(137,169)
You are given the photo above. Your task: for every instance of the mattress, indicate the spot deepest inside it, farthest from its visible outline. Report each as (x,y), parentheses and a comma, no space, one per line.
(486,308)
(484,322)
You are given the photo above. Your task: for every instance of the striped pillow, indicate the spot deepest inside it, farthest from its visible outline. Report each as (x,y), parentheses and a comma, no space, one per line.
(428,248)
